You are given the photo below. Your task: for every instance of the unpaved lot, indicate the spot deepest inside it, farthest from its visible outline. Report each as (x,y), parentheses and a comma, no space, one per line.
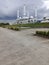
(22,48)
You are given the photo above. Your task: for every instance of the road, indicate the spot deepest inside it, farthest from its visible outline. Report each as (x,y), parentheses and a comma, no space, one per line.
(22,48)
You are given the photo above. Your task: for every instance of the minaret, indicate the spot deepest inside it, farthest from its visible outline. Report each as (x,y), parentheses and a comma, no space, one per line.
(24,11)
(18,14)
(35,15)
(28,14)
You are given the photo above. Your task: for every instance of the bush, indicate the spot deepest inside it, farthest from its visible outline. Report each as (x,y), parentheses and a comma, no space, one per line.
(11,28)
(36,32)
(3,26)
(42,33)
(48,33)
(14,28)
(17,29)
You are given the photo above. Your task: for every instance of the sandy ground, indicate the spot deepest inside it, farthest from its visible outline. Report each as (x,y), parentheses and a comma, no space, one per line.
(22,48)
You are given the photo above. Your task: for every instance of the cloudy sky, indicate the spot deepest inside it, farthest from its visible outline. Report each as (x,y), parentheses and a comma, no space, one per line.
(8,8)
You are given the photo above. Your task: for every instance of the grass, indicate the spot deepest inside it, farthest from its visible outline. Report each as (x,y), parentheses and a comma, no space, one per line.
(42,34)
(34,25)
(14,28)
(22,26)
(31,25)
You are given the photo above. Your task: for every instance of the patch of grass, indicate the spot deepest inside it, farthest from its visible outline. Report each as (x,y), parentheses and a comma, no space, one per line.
(14,28)
(47,34)
(34,25)
(42,33)
(3,26)
(17,29)
(28,25)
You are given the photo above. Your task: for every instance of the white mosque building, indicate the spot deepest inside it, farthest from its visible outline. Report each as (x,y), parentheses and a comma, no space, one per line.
(26,17)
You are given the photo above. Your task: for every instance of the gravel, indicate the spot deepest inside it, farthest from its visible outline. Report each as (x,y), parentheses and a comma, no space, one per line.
(22,48)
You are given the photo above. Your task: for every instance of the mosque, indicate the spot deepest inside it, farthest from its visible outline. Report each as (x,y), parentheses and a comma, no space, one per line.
(26,18)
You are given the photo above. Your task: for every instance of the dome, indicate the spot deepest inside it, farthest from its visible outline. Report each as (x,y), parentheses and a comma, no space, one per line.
(31,16)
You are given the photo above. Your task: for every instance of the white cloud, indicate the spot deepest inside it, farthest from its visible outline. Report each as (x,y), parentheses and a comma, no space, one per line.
(46,3)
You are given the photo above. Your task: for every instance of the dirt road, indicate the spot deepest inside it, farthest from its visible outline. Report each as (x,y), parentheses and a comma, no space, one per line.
(22,48)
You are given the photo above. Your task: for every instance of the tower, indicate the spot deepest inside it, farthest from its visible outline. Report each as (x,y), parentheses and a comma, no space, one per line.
(18,14)
(35,15)
(24,14)
(28,14)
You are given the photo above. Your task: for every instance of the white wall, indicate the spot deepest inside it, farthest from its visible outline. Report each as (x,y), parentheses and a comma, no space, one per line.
(44,21)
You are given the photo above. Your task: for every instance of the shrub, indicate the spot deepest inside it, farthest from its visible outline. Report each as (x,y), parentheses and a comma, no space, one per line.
(14,28)
(48,33)
(17,29)
(3,26)
(11,28)
(42,33)
(36,32)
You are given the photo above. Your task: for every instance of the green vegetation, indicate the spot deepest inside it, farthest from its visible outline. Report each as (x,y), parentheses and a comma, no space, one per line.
(3,24)
(14,28)
(34,25)
(22,26)
(42,33)
(31,25)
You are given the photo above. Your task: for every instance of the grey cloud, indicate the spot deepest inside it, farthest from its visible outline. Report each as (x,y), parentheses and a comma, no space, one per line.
(9,7)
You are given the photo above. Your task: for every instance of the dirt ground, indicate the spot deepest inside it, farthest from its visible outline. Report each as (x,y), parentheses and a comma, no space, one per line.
(22,48)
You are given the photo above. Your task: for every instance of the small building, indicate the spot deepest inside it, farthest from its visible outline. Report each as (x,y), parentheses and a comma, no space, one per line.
(45,19)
